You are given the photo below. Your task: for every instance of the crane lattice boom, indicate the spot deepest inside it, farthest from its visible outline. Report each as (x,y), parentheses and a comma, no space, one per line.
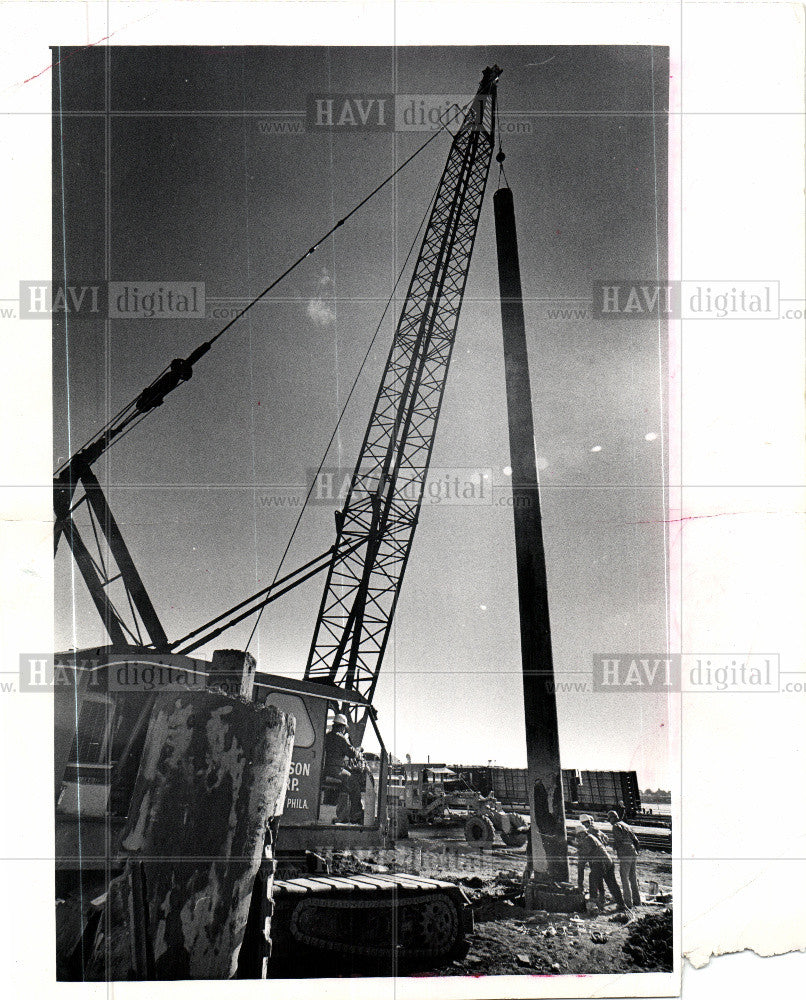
(376,526)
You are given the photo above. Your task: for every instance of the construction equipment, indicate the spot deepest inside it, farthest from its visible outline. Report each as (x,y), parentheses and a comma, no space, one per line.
(489,817)
(426,793)
(425,920)
(168,790)
(359,915)
(106,741)
(386,492)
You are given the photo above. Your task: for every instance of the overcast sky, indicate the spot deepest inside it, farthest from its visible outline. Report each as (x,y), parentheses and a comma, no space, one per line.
(207,490)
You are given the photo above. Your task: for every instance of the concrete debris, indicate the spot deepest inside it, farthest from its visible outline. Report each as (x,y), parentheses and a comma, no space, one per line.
(472,881)
(555,943)
(345,863)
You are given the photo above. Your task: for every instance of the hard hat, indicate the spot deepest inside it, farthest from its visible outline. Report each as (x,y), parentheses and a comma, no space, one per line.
(340,720)
(586,820)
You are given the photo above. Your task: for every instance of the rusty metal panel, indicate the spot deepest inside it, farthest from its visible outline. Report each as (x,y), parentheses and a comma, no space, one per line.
(214,772)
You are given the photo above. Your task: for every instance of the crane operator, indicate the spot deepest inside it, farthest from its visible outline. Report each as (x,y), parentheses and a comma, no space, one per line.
(346,762)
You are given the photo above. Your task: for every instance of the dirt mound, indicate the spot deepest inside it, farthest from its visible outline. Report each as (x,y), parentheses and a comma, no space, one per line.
(649,943)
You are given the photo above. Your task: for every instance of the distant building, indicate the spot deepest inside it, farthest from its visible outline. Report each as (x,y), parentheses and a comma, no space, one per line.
(582,790)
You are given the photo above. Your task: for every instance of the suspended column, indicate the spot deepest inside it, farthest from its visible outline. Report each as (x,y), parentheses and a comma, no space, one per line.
(549,848)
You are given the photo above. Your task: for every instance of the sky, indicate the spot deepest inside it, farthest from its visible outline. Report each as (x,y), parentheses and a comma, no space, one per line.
(202,186)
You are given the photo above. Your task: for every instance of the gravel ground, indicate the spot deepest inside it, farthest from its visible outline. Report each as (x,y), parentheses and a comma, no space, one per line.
(509,940)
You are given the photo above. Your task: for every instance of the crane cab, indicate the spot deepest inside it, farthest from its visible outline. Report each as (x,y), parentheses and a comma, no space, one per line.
(102,704)
(312,808)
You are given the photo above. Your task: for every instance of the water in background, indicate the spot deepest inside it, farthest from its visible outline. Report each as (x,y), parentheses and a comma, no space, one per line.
(659,808)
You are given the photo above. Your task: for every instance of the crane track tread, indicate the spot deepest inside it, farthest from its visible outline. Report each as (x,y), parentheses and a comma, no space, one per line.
(286,888)
(326,883)
(346,882)
(305,884)
(405,880)
(390,948)
(381,882)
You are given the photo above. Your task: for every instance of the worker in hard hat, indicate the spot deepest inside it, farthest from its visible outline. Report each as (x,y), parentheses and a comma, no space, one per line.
(595,880)
(345,762)
(626,844)
(590,824)
(592,852)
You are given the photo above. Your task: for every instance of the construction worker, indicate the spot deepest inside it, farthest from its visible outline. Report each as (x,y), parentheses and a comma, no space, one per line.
(626,845)
(345,762)
(592,852)
(589,824)
(595,881)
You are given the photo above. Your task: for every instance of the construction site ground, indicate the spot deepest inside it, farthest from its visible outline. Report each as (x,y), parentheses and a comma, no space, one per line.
(510,940)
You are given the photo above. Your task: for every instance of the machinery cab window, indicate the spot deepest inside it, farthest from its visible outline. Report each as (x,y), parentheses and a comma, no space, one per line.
(86,780)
